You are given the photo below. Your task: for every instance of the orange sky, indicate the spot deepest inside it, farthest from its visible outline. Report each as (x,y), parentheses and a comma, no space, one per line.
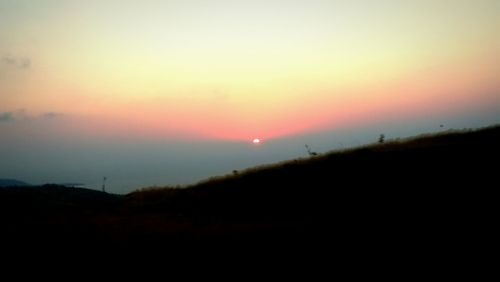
(236,70)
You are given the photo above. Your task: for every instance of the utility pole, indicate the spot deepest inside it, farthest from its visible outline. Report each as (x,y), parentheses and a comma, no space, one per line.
(104,184)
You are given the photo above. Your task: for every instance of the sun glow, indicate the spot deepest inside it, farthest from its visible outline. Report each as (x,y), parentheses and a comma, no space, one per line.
(226,69)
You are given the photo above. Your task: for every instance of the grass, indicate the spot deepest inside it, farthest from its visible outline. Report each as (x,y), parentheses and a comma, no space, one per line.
(424,190)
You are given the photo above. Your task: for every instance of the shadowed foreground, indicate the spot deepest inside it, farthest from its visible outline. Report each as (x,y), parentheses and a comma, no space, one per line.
(419,196)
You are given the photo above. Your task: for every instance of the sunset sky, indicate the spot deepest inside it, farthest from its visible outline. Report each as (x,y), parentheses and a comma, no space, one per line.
(183,77)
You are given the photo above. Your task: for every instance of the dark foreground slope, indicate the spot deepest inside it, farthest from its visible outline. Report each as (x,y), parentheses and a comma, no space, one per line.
(423,195)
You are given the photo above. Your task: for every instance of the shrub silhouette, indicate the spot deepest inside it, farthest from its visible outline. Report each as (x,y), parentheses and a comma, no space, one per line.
(381,138)
(310,152)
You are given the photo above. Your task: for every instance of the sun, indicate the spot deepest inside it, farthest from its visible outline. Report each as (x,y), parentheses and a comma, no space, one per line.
(256,141)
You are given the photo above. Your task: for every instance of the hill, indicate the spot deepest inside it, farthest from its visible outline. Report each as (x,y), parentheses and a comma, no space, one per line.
(397,197)
(12,182)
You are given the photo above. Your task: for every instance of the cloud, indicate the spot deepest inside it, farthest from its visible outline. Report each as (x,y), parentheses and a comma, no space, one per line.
(16,62)
(6,116)
(51,115)
(22,115)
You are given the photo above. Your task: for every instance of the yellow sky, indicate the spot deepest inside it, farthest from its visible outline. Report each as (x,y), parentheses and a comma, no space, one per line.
(240,69)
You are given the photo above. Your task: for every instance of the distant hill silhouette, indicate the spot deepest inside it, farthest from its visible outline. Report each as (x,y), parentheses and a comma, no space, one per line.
(12,182)
(414,196)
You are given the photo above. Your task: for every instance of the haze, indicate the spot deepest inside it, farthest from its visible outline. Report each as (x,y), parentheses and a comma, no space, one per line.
(172,92)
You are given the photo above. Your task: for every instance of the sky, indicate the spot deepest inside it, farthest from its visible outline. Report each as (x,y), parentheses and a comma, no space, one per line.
(171,92)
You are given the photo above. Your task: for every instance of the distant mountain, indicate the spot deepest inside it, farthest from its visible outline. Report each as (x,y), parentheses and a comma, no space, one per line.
(71,184)
(12,182)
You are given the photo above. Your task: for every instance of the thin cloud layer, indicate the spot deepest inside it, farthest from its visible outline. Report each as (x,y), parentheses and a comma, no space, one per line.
(16,62)
(12,116)
(50,115)
(6,116)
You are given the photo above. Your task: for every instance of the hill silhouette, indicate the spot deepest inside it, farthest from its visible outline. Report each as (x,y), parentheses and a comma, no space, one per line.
(397,197)
(12,182)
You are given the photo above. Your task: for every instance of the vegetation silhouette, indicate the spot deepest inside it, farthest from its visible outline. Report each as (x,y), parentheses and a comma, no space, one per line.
(381,138)
(409,196)
(310,152)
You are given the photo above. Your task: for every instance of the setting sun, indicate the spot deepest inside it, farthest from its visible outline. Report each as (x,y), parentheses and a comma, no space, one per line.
(179,83)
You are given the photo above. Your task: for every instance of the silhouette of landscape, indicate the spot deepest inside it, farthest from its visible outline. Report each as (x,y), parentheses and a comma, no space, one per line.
(391,197)
(12,183)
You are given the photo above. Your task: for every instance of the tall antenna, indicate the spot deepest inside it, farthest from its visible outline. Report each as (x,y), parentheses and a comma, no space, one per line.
(104,184)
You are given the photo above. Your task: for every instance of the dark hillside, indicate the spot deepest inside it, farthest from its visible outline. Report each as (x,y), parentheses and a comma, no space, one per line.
(12,183)
(414,196)
(418,171)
